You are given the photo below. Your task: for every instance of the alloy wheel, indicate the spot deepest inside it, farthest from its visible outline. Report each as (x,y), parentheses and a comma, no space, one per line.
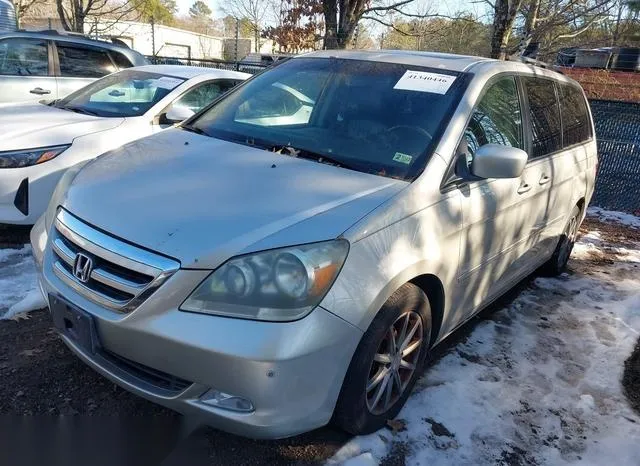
(394,363)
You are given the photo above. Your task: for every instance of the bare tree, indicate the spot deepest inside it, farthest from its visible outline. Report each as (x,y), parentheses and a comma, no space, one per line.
(25,6)
(255,11)
(549,21)
(341,17)
(462,33)
(75,13)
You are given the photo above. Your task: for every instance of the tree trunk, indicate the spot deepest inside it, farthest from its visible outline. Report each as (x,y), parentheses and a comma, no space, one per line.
(529,25)
(63,18)
(505,12)
(347,22)
(330,11)
(79,16)
(616,31)
(256,36)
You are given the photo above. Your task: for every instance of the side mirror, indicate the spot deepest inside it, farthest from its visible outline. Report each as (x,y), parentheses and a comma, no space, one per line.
(178,113)
(498,161)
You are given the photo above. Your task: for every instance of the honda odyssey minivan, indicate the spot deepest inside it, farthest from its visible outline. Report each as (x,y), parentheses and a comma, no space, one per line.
(290,255)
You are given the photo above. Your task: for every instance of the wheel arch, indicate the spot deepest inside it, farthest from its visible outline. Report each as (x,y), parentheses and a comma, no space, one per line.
(434,289)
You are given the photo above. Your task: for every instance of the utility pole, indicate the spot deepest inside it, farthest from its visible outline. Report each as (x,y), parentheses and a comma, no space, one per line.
(237,39)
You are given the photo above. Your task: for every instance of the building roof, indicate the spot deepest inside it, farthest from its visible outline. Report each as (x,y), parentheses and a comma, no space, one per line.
(406,57)
(188,72)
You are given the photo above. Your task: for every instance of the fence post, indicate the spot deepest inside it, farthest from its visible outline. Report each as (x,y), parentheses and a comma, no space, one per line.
(153,37)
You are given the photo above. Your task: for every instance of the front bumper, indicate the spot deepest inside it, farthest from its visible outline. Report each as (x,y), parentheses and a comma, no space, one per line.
(25,192)
(291,372)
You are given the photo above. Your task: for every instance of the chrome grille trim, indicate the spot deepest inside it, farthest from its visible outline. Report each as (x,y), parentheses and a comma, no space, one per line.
(124,275)
(121,284)
(94,296)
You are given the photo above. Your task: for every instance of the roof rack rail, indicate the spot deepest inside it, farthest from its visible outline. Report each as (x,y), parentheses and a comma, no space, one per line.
(531,61)
(56,32)
(528,61)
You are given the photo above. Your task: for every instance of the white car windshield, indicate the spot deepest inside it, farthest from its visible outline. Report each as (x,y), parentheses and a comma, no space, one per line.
(128,93)
(374,117)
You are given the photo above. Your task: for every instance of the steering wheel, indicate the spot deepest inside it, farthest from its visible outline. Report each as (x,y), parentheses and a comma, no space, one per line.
(415,129)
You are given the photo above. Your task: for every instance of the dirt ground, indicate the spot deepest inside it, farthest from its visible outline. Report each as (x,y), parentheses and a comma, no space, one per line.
(41,377)
(631,378)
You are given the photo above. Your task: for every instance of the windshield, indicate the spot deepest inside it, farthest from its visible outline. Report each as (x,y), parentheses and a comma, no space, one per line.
(381,118)
(129,93)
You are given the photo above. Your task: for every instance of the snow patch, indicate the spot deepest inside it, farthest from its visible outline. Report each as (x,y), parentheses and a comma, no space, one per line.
(613,216)
(19,291)
(364,450)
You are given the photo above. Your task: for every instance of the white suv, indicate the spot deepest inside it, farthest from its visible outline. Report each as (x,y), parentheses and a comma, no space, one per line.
(291,254)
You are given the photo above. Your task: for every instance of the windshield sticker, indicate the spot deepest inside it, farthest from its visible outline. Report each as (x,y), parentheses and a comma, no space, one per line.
(423,81)
(166,82)
(402,158)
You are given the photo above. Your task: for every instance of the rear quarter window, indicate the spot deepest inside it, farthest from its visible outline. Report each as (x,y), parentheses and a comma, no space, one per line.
(121,61)
(576,124)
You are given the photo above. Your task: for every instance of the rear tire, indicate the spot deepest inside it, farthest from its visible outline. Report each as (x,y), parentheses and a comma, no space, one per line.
(387,363)
(557,263)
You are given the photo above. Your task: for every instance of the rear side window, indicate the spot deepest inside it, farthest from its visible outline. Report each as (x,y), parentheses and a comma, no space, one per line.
(544,113)
(24,57)
(495,120)
(83,62)
(121,61)
(576,124)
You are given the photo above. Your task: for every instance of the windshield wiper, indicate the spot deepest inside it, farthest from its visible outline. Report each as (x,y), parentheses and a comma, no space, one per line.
(194,129)
(81,110)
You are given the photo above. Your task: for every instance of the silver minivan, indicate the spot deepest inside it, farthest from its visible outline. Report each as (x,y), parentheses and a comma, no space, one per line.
(291,254)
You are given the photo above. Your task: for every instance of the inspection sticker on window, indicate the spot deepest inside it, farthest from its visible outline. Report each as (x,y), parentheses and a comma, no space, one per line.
(402,158)
(165,82)
(423,81)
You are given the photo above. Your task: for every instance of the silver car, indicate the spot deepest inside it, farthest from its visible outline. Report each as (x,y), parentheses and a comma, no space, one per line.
(291,254)
(50,65)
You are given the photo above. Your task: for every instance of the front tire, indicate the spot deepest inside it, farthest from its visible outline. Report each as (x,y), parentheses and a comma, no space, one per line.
(387,363)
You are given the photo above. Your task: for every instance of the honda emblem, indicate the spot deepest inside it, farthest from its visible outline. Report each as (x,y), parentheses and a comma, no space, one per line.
(82,267)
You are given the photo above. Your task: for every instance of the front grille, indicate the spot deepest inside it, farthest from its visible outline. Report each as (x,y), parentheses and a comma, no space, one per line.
(120,276)
(146,377)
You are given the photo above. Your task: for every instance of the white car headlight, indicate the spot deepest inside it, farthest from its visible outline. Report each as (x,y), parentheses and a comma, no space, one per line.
(28,157)
(277,285)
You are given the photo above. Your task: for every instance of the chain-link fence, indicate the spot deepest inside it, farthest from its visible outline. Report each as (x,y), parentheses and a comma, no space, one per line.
(618,133)
(251,68)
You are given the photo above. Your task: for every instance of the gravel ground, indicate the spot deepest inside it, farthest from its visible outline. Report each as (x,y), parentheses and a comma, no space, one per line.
(40,377)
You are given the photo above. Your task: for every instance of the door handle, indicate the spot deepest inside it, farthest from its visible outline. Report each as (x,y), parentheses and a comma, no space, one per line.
(544,179)
(40,91)
(524,188)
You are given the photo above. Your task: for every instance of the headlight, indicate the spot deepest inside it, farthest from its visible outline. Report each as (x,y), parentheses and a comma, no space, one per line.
(26,158)
(59,192)
(276,285)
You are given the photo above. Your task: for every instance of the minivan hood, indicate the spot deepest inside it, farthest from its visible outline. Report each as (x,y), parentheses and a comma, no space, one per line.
(37,125)
(202,200)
